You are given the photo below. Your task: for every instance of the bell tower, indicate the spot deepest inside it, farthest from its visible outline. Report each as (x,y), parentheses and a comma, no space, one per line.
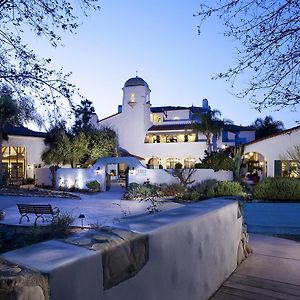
(136,109)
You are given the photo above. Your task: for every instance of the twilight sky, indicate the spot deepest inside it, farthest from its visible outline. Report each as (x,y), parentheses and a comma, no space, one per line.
(158,39)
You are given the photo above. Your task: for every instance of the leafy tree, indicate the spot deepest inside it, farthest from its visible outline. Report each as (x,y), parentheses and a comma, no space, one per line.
(15,112)
(221,160)
(59,146)
(101,142)
(20,67)
(83,114)
(63,148)
(79,148)
(83,148)
(268,32)
(267,126)
(208,124)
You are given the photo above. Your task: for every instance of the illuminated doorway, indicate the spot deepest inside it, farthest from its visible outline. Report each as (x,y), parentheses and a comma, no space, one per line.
(13,164)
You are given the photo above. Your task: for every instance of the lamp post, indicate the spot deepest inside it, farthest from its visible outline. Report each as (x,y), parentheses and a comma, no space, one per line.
(81,217)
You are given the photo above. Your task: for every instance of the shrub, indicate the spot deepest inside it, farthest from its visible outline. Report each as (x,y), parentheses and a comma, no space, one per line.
(195,196)
(278,188)
(12,238)
(203,187)
(60,225)
(174,189)
(135,190)
(93,185)
(132,186)
(226,188)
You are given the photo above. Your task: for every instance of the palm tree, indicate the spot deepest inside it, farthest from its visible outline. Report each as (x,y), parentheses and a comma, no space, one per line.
(16,113)
(208,124)
(267,126)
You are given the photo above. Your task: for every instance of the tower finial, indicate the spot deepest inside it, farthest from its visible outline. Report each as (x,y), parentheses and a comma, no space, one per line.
(136,73)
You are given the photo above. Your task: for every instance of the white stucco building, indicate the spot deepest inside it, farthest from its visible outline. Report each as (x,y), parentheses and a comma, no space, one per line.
(270,153)
(21,153)
(158,135)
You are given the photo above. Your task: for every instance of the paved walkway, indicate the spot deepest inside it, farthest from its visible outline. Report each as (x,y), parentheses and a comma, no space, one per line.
(271,272)
(104,208)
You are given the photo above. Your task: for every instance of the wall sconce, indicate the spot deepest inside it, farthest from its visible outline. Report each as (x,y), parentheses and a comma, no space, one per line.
(98,170)
(29,167)
(81,217)
(132,171)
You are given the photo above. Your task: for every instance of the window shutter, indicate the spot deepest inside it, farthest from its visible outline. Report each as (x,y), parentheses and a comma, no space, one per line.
(277,168)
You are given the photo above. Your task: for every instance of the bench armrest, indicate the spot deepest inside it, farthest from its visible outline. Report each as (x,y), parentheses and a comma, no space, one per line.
(56,210)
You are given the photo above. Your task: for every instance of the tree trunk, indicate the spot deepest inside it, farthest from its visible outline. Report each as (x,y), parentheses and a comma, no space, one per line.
(208,144)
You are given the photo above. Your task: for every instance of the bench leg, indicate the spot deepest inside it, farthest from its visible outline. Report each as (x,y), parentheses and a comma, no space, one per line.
(24,215)
(37,217)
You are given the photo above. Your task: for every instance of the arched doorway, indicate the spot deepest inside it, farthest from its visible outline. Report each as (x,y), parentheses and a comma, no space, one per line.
(255,162)
(112,172)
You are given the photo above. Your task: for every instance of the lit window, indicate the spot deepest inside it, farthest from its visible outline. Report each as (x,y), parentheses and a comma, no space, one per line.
(156,139)
(289,168)
(189,163)
(171,139)
(156,118)
(132,97)
(171,162)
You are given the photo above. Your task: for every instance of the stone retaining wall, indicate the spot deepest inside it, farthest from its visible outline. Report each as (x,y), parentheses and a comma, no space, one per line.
(184,253)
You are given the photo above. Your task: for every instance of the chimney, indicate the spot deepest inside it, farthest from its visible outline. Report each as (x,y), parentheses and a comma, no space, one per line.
(205,104)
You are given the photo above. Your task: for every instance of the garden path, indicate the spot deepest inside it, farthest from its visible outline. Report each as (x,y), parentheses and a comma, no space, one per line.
(105,208)
(271,272)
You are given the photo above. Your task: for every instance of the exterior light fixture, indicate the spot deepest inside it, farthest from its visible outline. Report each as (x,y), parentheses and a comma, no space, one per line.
(98,170)
(132,171)
(81,217)
(261,163)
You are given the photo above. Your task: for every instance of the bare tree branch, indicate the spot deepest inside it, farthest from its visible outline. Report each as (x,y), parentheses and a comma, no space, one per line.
(20,67)
(269,32)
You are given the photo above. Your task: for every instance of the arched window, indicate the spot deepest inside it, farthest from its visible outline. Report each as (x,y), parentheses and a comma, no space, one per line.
(189,163)
(171,162)
(154,163)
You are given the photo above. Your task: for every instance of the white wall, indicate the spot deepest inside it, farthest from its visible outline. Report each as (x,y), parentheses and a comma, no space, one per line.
(274,148)
(192,251)
(43,177)
(158,176)
(68,177)
(173,150)
(35,146)
(76,177)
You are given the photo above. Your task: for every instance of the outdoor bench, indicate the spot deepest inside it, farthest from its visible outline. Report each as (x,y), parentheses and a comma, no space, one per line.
(38,209)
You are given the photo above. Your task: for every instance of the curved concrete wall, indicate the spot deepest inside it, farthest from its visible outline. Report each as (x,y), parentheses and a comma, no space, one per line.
(192,250)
